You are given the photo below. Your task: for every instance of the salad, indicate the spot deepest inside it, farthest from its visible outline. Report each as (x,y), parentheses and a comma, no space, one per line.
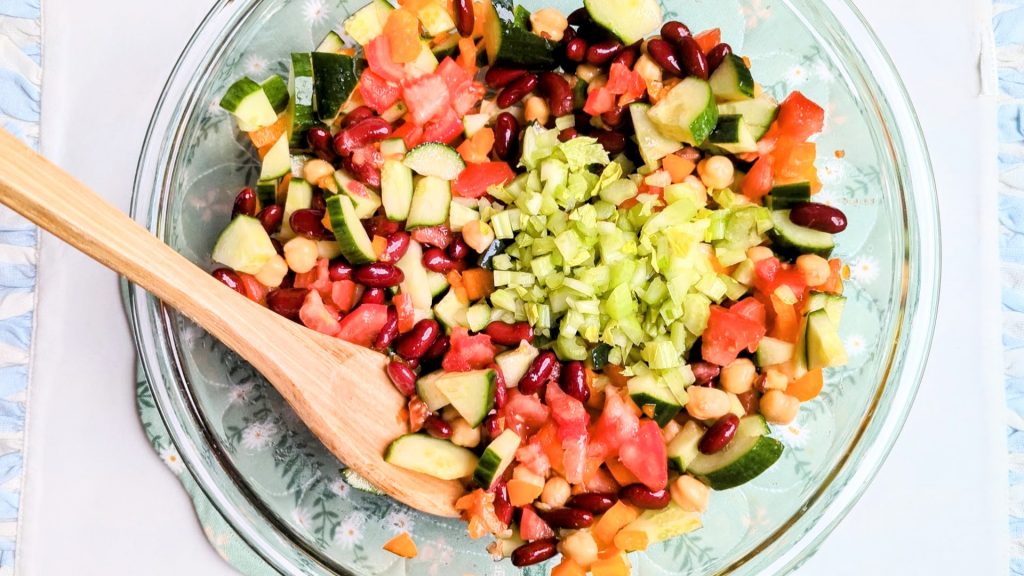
(587,242)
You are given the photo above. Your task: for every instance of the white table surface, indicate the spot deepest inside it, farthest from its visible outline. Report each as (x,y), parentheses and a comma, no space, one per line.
(99,501)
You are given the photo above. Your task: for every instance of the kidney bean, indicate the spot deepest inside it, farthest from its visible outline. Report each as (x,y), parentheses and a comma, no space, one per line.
(643,497)
(507,334)
(245,203)
(571,518)
(594,502)
(819,217)
(578,16)
(705,372)
(287,301)
(357,115)
(628,57)
(229,278)
(675,31)
(309,223)
(500,387)
(372,296)
(435,260)
(360,134)
(339,270)
(271,217)
(381,226)
(439,348)
(413,363)
(568,36)
(615,118)
(388,332)
(567,134)
(717,55)
(458,249)
(416,342)
(498,77)
(719,435)
(396,247)
(749,401)
(602,53)
(278,247)
(379,275)
(574,381)
(502,504)
(319,139)
(539,373)
(576,50)
(517,90)
(506,136)
(558,92)
(534,552)
(402,377)
(693,59)
(613,142)
(493,426)
(363,168)
(665,55)
(465,20)
(318,202)
(437,428)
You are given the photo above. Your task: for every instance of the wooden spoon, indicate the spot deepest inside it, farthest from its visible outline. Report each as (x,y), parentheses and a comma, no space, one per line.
(340,390)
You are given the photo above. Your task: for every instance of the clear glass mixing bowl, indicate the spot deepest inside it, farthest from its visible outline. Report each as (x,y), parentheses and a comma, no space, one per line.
(285,495)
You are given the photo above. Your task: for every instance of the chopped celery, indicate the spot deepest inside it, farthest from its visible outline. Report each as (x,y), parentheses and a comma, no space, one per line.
(660,354)
(570,348)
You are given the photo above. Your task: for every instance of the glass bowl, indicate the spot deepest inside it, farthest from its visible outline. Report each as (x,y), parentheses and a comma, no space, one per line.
(290,500)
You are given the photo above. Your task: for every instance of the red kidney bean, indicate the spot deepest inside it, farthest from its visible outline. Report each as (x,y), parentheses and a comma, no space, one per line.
(675,32)
(692,58)
(502,505)
(413,363)
(278,247)
(360,134)
(366,171)
(517,90)
(245,203)
(594,502)
(356,115)
(749,401)
(602,53)
(539,373)
(379,275)
(229,278)
(819,217)
(287,301)
(574,381)
(506,136)
(576,50)
(615,117)
(339,270)
(402,377)
(613,142)
(705,372)
(556,373)
(628,57)
(396,247)
(568,36)
(507,334)
(570,518)
(416,342)
(500,387)
(665,55)
(271,217)
(498,77)
(643,497)
(308,223)
(435,260)
(439,348)
(558,92)
(579,16)
(465,20)
(567,134)
(388,332)
(318,202)
(319,138)
(717,55)
(381,226)
(719,435)
(458,249)
(372,296)
(493,426)
(437,428)
(534,552)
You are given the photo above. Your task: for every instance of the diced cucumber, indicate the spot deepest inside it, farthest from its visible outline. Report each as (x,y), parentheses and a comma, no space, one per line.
(732,135)
(334,80)
(772,351)
(732,80)
(630,20)
(521,17)
(277,162)
(431,201)
(451,312)
(368,22)
(824,347)
(750,453)
(300,107)
(249,104)
(684,448)
(667,523)
(832,304)
(506,43)
(300,197)
(355,244)
(437,283)
(653,145)
(687,113)
(276,89)
(364,198)
(798,364)
(396,189)
(470,393)
(266,192)
(435,19)
(473,123)
(786,196)
(328,249)
(459,215)
(654,398)
(393,148)
(478,317)
(332,43)
(434,159)
(426,389)
(758,113)
(415,283)
(496,458)
(515,363)
(431,456)
(244,246)
(425,63)
(798,239)
(446,47)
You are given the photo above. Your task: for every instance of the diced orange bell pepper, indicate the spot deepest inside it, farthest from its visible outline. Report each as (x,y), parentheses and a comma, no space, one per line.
(478,282)
(678,167)
(521,492)
(269,135)
(786,325)
(617,565)
(403,33)
(380,245)
(568,568)
(455,281)
(477,150)
(807,387)
(467,55)
(621,474)
(834,284)
(709,39)
(402,545)
(631,540)
(612,521)
(614,373)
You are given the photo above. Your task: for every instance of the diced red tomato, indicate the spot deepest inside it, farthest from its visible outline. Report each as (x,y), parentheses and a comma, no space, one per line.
(769,274)
(377,92)
(465,93)
(572,419)
(799,118)
(468,352)
(532,456)
(751,309)
(254,290)
(599,101)
(531,527)
(467,97)
(410,133)
(343,294)
(474,181)
(644,455)
(574,459)
(363,324)
(524,413)
(439,236)
(378,57)
(315,315)
(547,438)
(600,481)
(623,81)
(406,313)
(794,162)
(709,39)
(758,182)
(319,278)
(477,509)
(726,335)
(444,128)
(454,76)
(426,97)
(616,424)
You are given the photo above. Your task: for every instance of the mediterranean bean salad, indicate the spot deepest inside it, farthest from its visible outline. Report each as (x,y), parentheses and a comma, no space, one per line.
(587,242)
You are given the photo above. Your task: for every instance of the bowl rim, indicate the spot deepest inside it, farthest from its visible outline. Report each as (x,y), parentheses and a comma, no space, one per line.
(850,474)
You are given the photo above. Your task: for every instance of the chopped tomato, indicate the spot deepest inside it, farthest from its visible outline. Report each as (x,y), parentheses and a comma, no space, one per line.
(364,324)
(770,273)
(799,118)
(477,150)
(406,313)
(402,31)
(319,278)
(599,101)
(524,413)
(794,162)
(316,316)
(378,93)
(531,527)
(444,128)
(751,309)
(455,77)
(532,456)
(834,284)
(709,39)
(426,97)
(378,57)
(474,181)
(477,509)
(439,236)
(410,133)
(600,480)
(343,294)
(616,424)
(572,419)
(758,182)
(727,334)
(625,82)
(418,412)
(644,455)
(547,437)
(468,352)
(254,290)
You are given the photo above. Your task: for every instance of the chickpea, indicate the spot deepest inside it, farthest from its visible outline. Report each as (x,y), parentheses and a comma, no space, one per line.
(556,492)
(537,110)
(758,253)
(587,72)
(690,494)
(707,403)
(301,254)
(717,172)
(738,377)
(464,435)
(273,272)
(580,547)
(775,380)
(549,23)
(814,268)
(778,407)
(316,170)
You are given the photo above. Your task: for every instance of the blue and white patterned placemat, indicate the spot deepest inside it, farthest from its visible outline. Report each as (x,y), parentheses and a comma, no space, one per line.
(20,79)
